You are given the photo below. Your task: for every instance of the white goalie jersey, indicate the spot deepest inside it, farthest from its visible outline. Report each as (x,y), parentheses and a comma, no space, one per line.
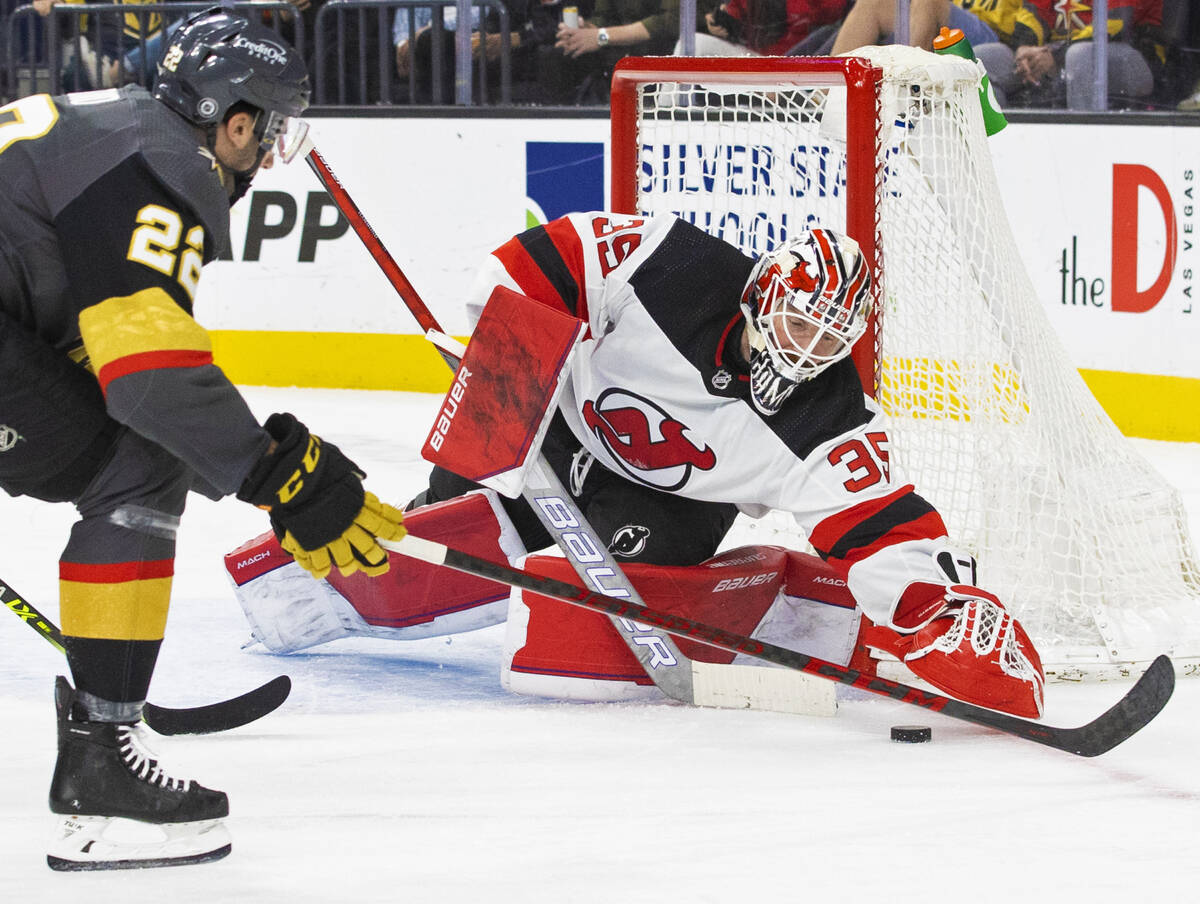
(658,393)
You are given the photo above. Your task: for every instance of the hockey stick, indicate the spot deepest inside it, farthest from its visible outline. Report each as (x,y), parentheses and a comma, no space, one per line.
(208,719)
(669,669)
(1130,714)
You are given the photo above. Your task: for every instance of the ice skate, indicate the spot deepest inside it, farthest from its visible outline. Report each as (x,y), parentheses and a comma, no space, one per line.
(119,809)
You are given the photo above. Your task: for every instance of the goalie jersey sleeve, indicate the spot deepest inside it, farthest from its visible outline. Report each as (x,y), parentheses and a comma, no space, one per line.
(658,394)
(116,207)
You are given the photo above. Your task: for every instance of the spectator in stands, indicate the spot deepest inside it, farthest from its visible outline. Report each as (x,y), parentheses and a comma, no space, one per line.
(762,27)
(1036,52)
(1180,85)
(413,34)
(533,25)
(874,22)
(538,59)
(1062,68)
(617,28)
(104,44)
(1015,26)
(356,78)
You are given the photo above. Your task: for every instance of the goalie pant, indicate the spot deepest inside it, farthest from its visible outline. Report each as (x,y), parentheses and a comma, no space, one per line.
(287,611)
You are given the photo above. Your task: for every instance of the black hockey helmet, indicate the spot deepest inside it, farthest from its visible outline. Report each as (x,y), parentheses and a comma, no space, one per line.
(217,58)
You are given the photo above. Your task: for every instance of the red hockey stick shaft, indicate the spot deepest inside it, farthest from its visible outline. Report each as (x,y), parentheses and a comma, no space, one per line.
(374,245)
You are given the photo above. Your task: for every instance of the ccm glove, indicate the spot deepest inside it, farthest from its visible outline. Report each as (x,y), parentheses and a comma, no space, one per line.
(318,507)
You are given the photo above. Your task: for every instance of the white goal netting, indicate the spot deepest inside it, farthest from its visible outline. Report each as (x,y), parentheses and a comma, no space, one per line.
(1072,528)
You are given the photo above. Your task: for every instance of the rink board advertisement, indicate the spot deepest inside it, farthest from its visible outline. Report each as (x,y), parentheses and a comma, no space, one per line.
(1105,218)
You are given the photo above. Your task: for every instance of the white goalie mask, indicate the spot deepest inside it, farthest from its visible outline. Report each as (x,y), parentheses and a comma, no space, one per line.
(806,303)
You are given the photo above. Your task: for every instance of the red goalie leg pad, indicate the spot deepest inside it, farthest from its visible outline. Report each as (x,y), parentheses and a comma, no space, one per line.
(732,591)
(737,591)
(412,592)
(980,654)
(500,403)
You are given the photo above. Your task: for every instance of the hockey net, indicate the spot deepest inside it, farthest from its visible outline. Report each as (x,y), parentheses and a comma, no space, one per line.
(1085,542)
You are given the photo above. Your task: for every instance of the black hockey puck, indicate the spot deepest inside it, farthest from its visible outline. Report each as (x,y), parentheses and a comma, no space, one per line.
(912,734)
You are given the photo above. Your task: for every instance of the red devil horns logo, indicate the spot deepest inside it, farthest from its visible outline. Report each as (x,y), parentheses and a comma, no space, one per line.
(626,430)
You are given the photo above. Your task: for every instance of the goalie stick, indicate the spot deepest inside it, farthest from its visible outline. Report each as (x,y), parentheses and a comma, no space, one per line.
(670,670)
(207,719)
(1130,714)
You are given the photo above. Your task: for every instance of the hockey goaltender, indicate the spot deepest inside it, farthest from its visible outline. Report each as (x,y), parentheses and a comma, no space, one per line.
(702,384)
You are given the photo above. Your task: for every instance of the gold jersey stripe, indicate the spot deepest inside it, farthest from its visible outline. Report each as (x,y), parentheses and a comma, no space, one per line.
(147,321)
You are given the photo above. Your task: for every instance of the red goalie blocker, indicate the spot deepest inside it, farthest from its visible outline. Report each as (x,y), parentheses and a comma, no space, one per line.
(495,415)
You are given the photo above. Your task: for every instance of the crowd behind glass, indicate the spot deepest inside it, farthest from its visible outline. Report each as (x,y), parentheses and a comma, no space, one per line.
(561,52)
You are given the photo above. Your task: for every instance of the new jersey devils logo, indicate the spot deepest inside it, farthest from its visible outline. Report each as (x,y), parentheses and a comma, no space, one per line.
(629,541)
(644,440)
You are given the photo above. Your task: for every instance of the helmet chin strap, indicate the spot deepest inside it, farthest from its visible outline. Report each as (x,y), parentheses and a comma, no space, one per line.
(768,388)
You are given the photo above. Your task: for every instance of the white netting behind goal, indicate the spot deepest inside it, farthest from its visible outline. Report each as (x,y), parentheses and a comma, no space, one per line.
(990,420)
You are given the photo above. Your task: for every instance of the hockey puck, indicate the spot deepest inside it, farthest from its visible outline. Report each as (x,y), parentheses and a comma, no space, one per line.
(912,734)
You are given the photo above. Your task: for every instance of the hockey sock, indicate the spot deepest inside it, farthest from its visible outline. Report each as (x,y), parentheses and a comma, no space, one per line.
(115,671)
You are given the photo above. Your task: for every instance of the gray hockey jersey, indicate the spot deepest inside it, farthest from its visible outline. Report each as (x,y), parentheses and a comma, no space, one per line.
(111,204)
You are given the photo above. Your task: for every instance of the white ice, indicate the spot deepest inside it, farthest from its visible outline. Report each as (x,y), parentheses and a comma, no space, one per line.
(403,772)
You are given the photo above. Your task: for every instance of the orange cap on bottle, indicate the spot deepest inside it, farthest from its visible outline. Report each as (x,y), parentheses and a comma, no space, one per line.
(947,37)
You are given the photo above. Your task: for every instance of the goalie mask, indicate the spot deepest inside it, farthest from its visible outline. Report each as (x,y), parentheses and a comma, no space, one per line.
(218,58)
(806,304)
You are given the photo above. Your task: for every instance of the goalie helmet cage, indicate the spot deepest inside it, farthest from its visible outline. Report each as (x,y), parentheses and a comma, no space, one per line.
(1073,529)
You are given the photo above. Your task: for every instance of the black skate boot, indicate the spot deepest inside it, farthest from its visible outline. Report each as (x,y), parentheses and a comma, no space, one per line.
(120,809)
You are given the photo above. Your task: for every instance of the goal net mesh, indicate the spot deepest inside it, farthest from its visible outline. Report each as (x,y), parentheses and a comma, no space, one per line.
(1072,528)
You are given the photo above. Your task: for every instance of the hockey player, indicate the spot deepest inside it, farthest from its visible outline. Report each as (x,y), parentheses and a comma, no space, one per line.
(109,398)
(709,383)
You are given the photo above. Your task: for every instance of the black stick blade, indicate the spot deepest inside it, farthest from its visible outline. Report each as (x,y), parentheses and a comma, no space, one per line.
(221,716)
(1130,715)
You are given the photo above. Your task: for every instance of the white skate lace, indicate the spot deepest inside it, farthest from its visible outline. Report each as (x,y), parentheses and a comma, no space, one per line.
(142,761)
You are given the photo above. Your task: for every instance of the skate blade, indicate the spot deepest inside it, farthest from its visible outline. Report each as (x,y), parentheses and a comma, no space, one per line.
(106,842)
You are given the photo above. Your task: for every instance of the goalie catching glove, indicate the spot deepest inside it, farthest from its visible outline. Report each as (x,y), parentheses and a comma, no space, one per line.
(962,640)
(975,635)
(319,509)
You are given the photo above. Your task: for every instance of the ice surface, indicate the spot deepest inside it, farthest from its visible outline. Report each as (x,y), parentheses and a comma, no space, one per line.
(403,772)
